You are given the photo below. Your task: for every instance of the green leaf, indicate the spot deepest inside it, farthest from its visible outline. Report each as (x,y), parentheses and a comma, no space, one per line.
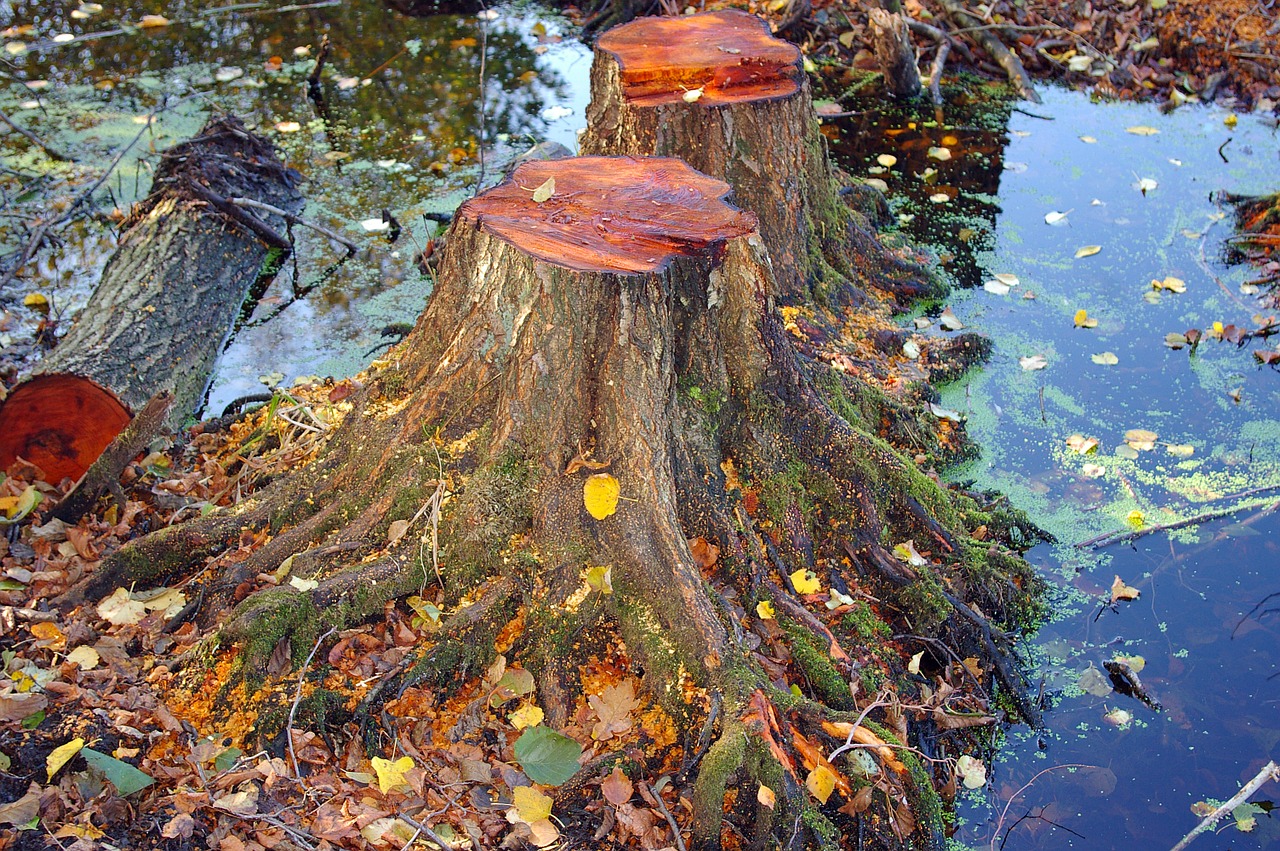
(122,775)
(226,759)
(33,720)
(548,757)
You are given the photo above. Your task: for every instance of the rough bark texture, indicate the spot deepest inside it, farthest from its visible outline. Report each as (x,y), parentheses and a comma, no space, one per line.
(615,317)
(721,93)
(895,53)
(167,300)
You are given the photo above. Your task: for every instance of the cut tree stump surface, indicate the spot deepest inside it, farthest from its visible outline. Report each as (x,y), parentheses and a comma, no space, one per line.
(729,56)
(56,421)
(610,214)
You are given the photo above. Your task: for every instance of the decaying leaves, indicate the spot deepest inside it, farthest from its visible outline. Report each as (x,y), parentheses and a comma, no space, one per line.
(1121,591)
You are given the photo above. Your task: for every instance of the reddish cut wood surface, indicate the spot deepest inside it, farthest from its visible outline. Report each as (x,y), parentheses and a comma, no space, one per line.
(729,55)
(61,423)
(611,214)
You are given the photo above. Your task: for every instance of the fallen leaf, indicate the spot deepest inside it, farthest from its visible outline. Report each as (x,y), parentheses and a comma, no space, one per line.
(153,21)
(972,772)
(913,667)
(1141,439)
(996,287)
(766,797)
(692,96)
(294,127)
(1136,519)
(600,578)
(1120,591)
(764,609)
(906,551)
(1081,444)
(1141,130)
(85,657)
(600,495)
(16,707)
(1088,250)
(544,193)
(613,707)
(704,552)
(397,530)
(1030,363)
(120,609)
(1088,140)
(1145,185)
(242,803)
(391,774)
(61,755)
(617,787)
(24,811)
(939,153)
(1054,217)
(303,585)
(1092,681)
(547,757)
(531,805)
(526,716)
(806,582)
(887,160)
(1105,359)
(1082,319)
(1170,283)
(821,782)
(1118,717)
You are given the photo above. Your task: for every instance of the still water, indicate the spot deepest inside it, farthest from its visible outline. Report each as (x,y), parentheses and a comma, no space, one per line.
(399,133)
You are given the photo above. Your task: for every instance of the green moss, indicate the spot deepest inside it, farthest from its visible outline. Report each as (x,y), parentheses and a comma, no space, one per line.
(871,679)
(924,601)
(723,758)
(322,710)
(864,625)
(826,682)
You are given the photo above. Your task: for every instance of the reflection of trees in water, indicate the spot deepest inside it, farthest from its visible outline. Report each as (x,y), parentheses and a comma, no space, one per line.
(435,93)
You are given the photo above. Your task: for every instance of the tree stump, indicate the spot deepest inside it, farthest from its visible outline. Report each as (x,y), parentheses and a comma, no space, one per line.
(719,91)
(167,300)
(895,53)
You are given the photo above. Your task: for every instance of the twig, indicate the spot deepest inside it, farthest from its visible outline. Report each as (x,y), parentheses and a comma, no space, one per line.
(995,48)
(1108,538)
(1025,786)
(250,203)
(662,807)
(1270,771)
(51,151)
(297,698)
(431,834)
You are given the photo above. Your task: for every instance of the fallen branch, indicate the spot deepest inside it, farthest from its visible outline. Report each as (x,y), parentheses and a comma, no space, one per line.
(1270,771)
(995,48)
(52,152)
(1108,538)
(251,204)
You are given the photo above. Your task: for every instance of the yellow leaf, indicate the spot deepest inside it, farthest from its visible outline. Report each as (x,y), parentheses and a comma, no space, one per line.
(600,578)
(84,656)
(36,300)
(1088,250)
(765,610)
(545,191)
(600,495)
(821,782)
(49,635)
(61,755)
(526,716)
(1083,320)
(531,805)
(1136,518)
(1120,591)
(766,797)
(151,21)
(391,774)
(806,582)
(1141,130)
(913,667)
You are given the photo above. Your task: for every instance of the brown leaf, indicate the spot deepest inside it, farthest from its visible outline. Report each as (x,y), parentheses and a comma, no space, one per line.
(617,787)
(704,552)
(281,660)
(15,707)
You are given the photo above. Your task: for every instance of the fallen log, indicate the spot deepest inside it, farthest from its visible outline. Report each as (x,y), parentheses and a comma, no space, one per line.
(719,91)
(167,300)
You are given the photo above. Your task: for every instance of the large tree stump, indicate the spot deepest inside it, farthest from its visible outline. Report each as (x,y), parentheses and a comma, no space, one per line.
(719,91)
(167,300)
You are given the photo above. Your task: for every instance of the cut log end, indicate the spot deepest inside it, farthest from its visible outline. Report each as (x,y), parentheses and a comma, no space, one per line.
(610,214)
(60,423)
(715,58)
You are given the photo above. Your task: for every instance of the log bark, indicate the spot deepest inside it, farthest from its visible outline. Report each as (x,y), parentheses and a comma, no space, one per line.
(896,55)
(168,299)
(720,92)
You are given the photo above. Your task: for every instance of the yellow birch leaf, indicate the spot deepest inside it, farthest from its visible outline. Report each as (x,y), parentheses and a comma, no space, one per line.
(600,495)
(806,582)
(766,797)
(84,656)
(1088,250)
(821,782)
(1083,320)
(61,755)
(765,610)
(526,716)
(545,191)
(1136,518)
(391,772)
(531,805)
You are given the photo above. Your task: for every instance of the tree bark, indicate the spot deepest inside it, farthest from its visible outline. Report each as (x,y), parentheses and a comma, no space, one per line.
(167,301)
(895,53)
(720,92)
(612,322)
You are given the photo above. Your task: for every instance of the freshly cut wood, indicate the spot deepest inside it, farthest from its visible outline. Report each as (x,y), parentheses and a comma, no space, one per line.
(167,300)
(719,91)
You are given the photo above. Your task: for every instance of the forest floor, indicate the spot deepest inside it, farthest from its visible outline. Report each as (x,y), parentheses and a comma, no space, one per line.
(108,692)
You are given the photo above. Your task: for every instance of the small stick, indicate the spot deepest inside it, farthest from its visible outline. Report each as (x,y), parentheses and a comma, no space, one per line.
(1270,771)
(249,203)
(52,152)
(1108,538)
(431,834)
(297,698)
(662,807)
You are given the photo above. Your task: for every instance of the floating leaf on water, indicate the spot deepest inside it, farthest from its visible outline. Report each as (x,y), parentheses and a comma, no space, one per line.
(1231,120)
(1175,341)
(1055,218)
(1136,663)
(153,21)
(288,127)
(544,191)
(1030,363)
(1093,682)
(1093,471)
(1082,445)
(922,322)
(600,495)
(1105,359)
(1141,130)
(1006,278)
(1119,590)
(1118,717)
(375,226)
(950,321)
(972,772)
(887,160)
(1088,140)
(1088,250)
(1136,519)
(996,288)
(227,74)
(1145,185)
(940,198)
(1141,439)
(1082,319)
(1180,450)
(939,153)
(1126,451)
(1170,283)
(945,413)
